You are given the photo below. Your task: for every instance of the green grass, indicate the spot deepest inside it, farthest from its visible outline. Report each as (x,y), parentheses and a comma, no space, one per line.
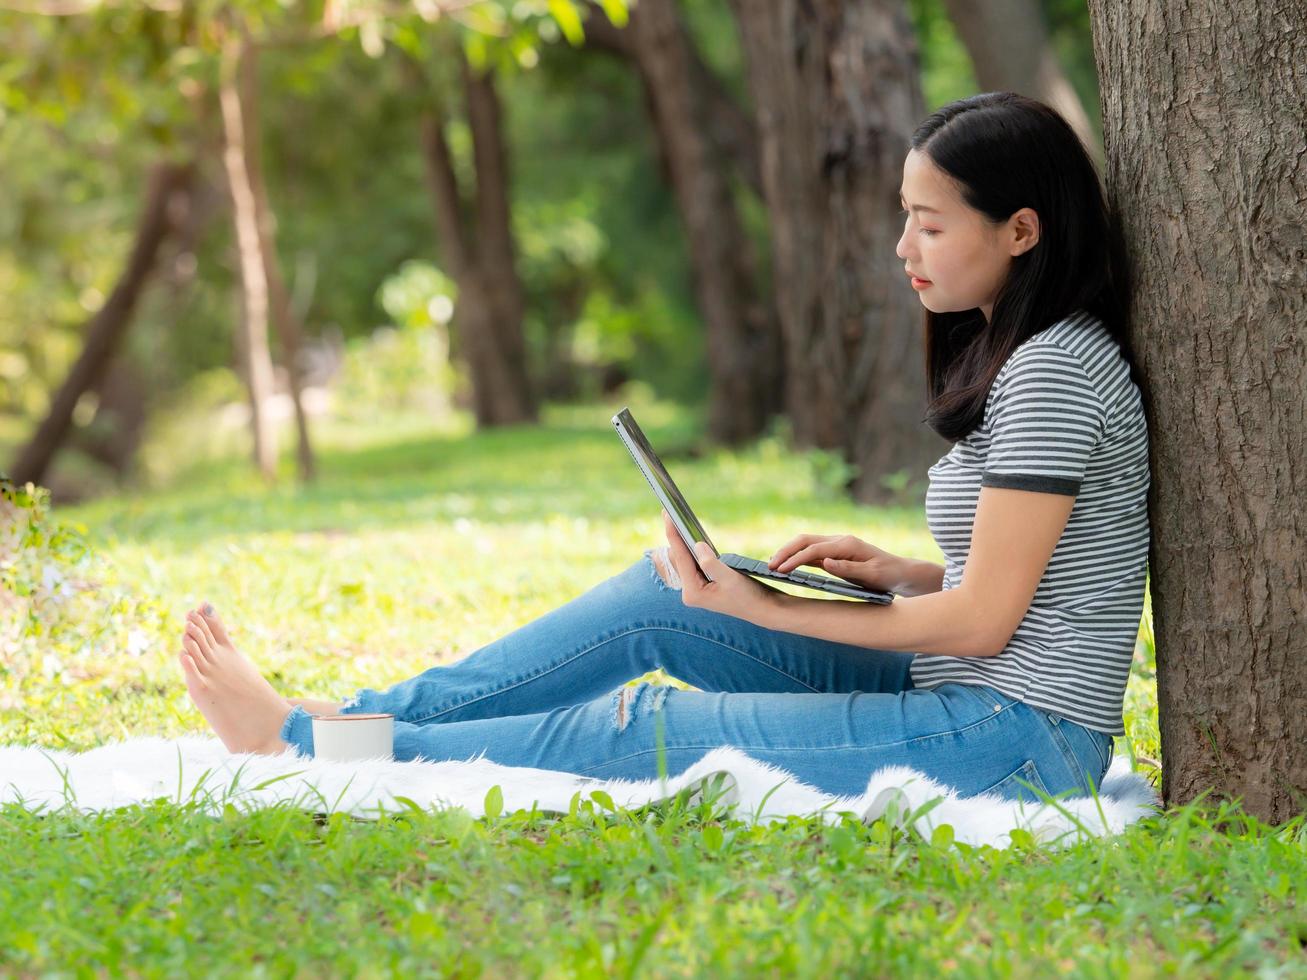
(394,561)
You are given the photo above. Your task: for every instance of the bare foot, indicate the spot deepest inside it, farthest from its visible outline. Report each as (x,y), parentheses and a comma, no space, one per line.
(316,707)
(244,710)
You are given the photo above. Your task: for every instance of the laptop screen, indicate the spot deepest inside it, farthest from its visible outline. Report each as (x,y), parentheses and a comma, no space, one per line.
(658,477)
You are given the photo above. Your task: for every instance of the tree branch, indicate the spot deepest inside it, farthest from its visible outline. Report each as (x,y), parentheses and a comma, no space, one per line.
(730,128)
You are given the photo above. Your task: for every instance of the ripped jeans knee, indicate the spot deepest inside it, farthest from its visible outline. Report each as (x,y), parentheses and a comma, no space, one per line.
(662,569)
(629,702)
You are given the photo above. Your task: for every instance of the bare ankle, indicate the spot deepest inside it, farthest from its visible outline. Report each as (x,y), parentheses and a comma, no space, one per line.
(317,706)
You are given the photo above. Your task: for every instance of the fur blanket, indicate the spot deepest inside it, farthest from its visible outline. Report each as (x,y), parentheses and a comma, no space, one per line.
(200,769)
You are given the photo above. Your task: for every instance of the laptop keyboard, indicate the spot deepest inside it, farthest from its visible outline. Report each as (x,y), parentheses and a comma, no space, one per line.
(824,582)
(798,575)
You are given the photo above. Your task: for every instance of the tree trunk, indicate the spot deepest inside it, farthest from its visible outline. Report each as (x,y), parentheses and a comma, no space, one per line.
(726,123)
(284,319)
(513,394)
(253,337)
(106,329)
(487,323)
(836,91)
(1202,120)
(745,361)
(1010,51)
(115,431)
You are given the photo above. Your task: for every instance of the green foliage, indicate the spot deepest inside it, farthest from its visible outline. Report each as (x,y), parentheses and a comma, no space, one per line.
(394,370)
(676,887)
(88,102)
(40,561)
(419,296)
(59,602)
(946,72)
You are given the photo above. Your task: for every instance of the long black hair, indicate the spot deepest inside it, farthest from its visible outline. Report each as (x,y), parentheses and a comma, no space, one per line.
(1008,152)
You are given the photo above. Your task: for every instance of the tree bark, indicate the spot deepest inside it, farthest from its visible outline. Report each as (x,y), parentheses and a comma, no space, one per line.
(115,431)
(286,323)
(745,360)
(476,250)
(1010,51)
(1202,119)
(253,337)
(836,92)
(728,125)
(106,329)
(496,254)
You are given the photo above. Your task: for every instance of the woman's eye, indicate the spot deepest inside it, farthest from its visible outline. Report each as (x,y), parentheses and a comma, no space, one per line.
(924,231)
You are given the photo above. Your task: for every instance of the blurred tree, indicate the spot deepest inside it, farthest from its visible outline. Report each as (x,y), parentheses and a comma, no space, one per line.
(476,244)
(474,225)
(104,332)
(164,50)
(1203,126)
(263,287)
(61,78)
(1010,48)
(837,92)
(702,134)
(240,131)
(604,256)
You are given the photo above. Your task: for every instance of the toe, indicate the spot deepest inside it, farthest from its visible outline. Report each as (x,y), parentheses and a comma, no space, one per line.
(203,625)
(193,650)
(210,616)
(189,668)
(196,634)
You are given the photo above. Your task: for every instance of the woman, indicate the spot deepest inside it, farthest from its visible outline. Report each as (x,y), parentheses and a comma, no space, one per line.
(1003,670)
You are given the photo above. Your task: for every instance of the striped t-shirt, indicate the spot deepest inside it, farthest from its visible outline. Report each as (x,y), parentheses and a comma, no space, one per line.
(1063,416)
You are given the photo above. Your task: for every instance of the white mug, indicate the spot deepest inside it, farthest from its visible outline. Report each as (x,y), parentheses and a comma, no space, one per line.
(346,737)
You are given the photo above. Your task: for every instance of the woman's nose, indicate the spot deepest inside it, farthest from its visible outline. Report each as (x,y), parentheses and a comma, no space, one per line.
(901,248)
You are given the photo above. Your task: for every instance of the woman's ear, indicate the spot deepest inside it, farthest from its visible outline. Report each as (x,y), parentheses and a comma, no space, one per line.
(1023,231)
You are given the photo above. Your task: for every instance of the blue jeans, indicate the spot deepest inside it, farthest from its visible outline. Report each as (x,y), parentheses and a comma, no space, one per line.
(554,695)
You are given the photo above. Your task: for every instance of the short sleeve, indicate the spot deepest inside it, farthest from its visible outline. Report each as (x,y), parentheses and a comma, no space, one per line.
(1045,418)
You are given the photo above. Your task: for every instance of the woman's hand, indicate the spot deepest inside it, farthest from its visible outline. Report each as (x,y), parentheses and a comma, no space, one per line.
(730,592)
(852,559)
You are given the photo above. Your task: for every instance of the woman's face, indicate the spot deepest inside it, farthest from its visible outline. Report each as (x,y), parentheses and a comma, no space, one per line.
(961,255)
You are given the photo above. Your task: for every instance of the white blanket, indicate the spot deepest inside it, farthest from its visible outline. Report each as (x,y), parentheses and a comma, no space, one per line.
(196,768)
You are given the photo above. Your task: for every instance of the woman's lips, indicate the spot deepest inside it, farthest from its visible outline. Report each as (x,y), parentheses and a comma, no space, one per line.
(919,283)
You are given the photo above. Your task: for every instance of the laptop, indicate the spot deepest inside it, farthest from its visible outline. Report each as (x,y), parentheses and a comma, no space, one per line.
(692,531)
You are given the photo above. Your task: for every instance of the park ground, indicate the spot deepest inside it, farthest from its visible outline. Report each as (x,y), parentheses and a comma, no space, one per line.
(394,560)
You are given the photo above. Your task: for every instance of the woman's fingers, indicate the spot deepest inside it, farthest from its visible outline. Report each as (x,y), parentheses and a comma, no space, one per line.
(791,547)
(679,554)
(810,555)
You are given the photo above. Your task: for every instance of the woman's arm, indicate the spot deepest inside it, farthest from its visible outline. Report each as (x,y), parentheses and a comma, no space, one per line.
(1014,535)
(1012,539)
(919,578)
(938,622)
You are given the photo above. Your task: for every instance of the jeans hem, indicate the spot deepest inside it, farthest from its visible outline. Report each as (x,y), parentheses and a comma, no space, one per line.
(297,730)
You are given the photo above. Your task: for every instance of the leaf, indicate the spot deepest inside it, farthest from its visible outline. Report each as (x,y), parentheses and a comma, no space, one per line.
(564,12)
(1022,839)
(424,925)
(713,837)
(455,823)
(474,47)
(942,836)
(408,802)
(604,800)
(494,802)
(616,11)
